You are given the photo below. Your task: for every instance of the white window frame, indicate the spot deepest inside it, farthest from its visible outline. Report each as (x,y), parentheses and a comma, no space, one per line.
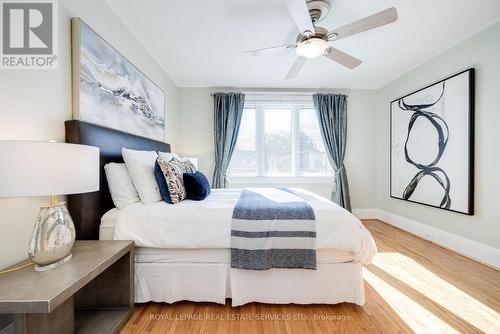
(296,176)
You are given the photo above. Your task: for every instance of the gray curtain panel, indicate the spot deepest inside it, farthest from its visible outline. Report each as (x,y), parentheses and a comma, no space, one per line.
(228,110)
(331,110)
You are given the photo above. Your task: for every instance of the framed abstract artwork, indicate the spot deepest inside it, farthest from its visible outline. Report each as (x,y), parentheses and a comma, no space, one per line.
(109,91)
(432,145)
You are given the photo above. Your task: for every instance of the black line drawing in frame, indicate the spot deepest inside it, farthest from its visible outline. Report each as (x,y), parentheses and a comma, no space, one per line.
(432,144)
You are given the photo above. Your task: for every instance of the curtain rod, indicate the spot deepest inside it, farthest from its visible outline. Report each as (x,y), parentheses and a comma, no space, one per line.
(277,93)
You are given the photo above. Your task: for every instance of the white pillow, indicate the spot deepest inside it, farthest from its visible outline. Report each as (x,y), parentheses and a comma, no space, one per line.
(141,166)
(121,187)
(166,156)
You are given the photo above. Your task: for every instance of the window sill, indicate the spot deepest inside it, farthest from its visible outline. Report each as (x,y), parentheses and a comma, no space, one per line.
(280,179)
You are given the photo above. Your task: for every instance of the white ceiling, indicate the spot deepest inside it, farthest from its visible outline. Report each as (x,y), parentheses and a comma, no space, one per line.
(200,43)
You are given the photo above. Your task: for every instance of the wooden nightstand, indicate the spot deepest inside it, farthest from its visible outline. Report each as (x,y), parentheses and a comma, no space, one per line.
(92,293)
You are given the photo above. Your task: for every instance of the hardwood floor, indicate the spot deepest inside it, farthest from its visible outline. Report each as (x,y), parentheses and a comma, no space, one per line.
(412,286)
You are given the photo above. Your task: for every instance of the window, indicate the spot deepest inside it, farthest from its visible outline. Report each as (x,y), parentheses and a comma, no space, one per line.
(312,155)
(244,159)
(279,139)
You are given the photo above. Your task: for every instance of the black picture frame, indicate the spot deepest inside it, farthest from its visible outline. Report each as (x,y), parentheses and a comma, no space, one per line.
(471,149)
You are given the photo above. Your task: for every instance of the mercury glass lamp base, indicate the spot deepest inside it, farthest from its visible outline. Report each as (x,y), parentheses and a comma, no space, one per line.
(53,237)
(54,264)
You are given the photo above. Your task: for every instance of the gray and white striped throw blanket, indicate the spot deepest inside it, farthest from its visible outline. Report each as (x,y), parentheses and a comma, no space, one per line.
(272,228)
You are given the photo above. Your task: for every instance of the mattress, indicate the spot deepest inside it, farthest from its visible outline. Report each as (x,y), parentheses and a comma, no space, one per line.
(197,255)
(207,224)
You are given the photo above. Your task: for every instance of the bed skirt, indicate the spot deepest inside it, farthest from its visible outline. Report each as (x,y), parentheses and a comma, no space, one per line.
(331,283)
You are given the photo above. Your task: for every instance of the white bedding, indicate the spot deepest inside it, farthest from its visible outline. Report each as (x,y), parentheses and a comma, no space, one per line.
(207,224)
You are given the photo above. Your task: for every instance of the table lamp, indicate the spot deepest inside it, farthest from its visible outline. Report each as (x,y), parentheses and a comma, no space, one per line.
(30,168)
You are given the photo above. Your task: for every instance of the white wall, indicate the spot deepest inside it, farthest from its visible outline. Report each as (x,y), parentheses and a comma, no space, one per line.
(196,123)
(196,139)
(481,51)
(35,103)
(361,154)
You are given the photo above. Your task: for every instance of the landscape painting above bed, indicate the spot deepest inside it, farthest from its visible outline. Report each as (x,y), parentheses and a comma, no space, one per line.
(109,91)
(432,147)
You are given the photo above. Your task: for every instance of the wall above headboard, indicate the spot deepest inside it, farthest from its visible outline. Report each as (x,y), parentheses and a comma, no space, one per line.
(87,209)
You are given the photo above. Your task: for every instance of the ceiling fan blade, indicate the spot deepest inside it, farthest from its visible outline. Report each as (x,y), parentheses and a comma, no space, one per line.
(370,22)
(297,65)
(273,49)
(300,14)
(342,58)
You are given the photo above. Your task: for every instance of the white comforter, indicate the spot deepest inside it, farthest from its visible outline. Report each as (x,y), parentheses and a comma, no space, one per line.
(207,224)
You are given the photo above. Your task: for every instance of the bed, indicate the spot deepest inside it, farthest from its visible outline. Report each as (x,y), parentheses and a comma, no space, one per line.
(183,250)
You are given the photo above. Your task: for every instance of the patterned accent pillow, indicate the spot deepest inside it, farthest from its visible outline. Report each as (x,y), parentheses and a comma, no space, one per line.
(174,181)
(173,172)
(185,166)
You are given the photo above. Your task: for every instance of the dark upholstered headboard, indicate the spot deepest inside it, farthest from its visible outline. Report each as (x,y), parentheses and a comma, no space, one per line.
(87,209)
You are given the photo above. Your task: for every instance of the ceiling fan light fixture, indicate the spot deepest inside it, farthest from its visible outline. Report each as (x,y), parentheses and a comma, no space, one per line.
(312,47)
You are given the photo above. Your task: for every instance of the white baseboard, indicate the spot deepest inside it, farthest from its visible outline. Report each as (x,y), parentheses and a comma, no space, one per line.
(365,213)
(469,248)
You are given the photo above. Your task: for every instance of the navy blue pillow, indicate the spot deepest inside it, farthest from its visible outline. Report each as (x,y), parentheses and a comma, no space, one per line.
(197,186)
(162,184)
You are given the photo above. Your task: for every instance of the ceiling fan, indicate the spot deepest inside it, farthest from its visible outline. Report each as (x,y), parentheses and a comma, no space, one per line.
(313,41)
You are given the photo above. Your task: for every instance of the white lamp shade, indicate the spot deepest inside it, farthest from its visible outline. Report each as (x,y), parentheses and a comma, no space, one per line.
(312,47)
(30,168)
